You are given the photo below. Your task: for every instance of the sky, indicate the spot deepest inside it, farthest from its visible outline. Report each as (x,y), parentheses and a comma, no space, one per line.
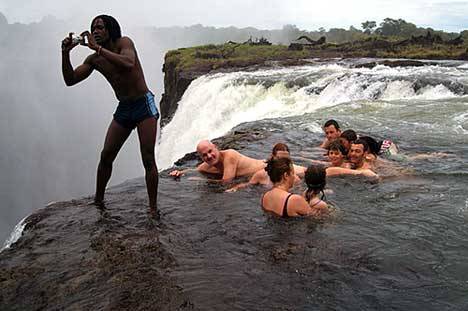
(262,14)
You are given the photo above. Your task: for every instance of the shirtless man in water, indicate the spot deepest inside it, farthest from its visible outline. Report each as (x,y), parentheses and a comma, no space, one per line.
(357,157)
(227,164)
(116,59)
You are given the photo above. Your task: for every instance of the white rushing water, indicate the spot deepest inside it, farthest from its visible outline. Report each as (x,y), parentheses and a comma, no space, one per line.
(214,104)
(15,234)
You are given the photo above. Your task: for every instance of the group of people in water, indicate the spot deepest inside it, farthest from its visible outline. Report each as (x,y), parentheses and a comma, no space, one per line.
(347,154)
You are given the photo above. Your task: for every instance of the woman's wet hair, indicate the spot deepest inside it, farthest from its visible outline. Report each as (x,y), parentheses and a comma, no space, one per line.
(336,145)
(373,145)
(349,135)
(111,25)
(276,167)
(279,147)
(315,178)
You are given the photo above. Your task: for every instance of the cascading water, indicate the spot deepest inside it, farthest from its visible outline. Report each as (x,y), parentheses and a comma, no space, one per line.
(214,104)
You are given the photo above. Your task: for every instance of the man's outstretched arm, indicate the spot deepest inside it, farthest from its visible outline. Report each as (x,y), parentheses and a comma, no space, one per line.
(179,173)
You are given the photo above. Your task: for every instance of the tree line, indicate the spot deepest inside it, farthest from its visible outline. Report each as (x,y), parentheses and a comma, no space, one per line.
(389,28)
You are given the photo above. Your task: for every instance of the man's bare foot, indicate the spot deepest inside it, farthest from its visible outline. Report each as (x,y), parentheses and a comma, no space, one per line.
(154,213)
(98,203)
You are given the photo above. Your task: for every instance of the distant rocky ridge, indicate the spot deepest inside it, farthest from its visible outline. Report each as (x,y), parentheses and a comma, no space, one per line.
(183,66)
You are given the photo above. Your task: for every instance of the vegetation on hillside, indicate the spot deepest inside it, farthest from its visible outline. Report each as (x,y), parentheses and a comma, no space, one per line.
(209,57)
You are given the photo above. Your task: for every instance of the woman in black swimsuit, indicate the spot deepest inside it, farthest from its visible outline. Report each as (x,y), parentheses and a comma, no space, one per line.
(279,200)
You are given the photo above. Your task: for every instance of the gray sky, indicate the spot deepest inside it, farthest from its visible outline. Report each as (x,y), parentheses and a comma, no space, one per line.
(273,14)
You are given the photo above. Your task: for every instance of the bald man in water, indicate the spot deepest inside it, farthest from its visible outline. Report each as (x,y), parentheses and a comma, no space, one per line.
(227,164)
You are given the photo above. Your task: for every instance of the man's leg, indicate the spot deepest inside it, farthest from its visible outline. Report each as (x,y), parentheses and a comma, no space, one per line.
(147,136)
(115,138)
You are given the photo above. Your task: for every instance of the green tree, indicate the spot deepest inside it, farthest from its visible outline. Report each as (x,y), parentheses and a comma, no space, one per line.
(407,29)
(369,26)
(396,27)
(390,27)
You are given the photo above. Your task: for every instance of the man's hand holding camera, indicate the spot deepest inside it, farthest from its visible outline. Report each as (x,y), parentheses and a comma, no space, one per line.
(89,41)
(68,43)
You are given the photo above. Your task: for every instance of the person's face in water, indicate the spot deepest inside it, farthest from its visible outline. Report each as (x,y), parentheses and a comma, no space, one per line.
(336,157)
(346,144)
(209,153)
(356,154)
(99,31)
(331,132)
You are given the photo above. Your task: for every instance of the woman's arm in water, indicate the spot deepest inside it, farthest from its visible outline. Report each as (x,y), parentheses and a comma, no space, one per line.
(238,187)
(337,171)
(256,179)
(298,205)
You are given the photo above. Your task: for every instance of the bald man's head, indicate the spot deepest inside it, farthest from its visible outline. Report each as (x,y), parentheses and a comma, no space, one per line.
(208,152)
(204,144)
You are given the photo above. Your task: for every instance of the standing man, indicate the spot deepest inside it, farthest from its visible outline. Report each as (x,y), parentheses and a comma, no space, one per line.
(116,59)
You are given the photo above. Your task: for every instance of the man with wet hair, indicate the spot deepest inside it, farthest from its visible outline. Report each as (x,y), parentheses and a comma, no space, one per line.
(115,57)
(357,157)
(332,131)
(225,164)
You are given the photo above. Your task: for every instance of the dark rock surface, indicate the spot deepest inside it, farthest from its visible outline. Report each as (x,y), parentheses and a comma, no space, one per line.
(396,63)
(74,256)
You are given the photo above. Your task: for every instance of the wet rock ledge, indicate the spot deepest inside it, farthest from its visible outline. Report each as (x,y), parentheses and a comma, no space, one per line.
(74,256)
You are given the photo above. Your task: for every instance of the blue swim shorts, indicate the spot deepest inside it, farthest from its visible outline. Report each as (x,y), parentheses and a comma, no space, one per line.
(131,112)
